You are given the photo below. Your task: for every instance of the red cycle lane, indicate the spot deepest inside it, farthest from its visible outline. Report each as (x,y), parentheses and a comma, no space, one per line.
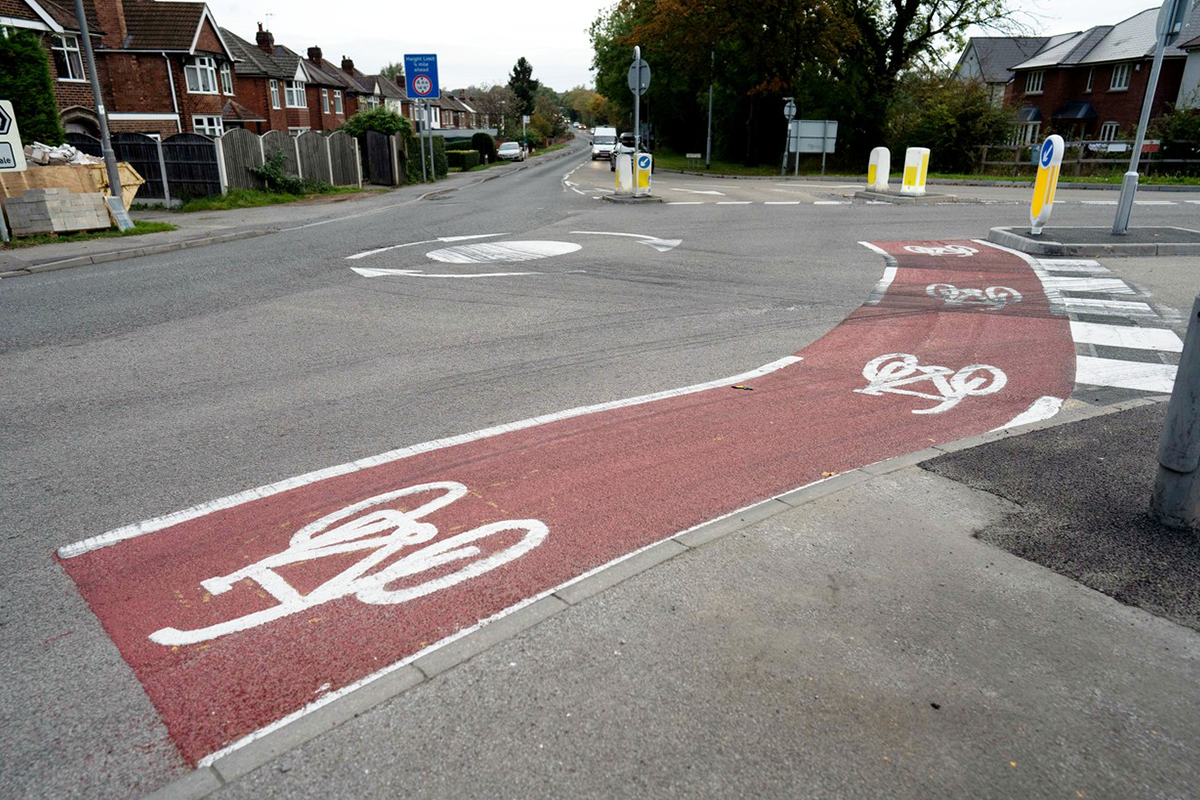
(236,614)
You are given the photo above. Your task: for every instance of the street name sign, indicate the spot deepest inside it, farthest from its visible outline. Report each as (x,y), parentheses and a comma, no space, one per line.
(12,157)
(421,76)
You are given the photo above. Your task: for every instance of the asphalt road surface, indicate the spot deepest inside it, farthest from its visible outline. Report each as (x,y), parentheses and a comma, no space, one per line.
(142,388)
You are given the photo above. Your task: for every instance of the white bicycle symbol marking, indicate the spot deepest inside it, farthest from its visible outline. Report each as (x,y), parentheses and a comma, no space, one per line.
(380,534)
(960,250)
(994,297)
(888,373)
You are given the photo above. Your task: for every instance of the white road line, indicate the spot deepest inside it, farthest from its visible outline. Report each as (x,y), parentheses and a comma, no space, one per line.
(781,203)
(1089,284)
(1074,265)
(1146,377)
(427,241)
(831,202)
(1127,336)
(686,203)
(1043,408)
(1193,202)
(233,500)
(1114,308)
(1155,203)
(733,202)
(697,191)
(1098,202)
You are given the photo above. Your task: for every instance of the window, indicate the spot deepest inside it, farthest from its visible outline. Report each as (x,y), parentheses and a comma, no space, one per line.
(1120,78)
(274,93)
(337,101)
(298,131)
(1026,134)
(324,101)
(1034,81)
(1091,74)
(294,94)
(226,79)
(209,126)
(201,75)
(1108,131)
(66,58)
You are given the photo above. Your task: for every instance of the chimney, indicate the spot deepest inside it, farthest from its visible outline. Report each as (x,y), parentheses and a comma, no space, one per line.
(266,42)
(314,55)
(347,65)
(110,18)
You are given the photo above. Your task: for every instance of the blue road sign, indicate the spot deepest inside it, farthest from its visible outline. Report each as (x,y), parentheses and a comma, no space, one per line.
(421,77)
(643,161)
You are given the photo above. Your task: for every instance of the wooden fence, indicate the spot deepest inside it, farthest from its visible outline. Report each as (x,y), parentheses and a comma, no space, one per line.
(1090,158)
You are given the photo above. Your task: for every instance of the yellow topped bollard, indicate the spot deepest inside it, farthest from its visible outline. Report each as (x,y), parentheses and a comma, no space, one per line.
(1049,163)
(879,169)
(916,166)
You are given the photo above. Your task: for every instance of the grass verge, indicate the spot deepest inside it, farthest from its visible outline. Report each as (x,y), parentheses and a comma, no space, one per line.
(253,198)
(139,227)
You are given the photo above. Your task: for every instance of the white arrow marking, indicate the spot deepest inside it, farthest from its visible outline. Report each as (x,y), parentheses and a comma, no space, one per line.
(368,272)
(661,245)
(698,191)
(427,241)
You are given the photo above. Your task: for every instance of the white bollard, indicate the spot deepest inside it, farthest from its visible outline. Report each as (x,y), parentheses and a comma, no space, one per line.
(916,165)
(879,169)
(1049,163)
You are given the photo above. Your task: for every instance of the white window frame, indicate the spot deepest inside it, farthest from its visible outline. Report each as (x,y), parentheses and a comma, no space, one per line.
(1109,131)
(275,94)
(294,132)
(324,101)
(66,46)
(208,124)
(295,94)
(1027,133)
(1035,81)
(1121,75)
(338,108)
(200,75)
(226,78)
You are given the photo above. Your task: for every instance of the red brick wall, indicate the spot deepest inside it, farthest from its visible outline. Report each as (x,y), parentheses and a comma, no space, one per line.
(255,94)
(318,120)
(110,16)
(208,41)
(71,93)
(1123,107)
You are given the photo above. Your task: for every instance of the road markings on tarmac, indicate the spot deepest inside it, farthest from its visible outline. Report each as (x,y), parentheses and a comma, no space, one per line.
(378,250)
(733,202)
(1126,336)
(368,272)
(502,252)
(661,245)
(697,191)
(781,203)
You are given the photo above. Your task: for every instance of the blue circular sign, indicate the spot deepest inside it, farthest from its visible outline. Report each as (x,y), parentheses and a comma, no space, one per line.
(643,162)
(1047,153)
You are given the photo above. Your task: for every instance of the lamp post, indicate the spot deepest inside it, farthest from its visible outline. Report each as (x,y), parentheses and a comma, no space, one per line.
(110,158)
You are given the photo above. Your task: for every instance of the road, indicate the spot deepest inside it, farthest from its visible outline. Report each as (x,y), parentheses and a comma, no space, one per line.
(142,388)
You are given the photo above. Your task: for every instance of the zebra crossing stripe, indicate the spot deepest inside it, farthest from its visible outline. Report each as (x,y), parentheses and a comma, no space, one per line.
(1139,375)
(1127,336)
(1088,284)
(1113,308)
(1083,265)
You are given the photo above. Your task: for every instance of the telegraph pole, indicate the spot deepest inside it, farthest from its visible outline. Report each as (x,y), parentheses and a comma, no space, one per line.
(110,158)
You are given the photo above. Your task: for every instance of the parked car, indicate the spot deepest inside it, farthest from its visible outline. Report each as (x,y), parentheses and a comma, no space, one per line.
(511,151)
(625,146)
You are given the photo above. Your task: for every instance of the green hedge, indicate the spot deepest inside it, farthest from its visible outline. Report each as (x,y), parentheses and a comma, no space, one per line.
(459,144)
(463,159)
(486,145)
(25,80)
(440,166)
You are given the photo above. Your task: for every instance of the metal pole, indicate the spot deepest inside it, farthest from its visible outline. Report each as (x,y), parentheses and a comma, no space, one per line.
(787,140)
(432,165)
(708,145)
(162,168)
(1176,499)
(824,144)
(421,147)
(1130,182)
(3,227)
(110,158)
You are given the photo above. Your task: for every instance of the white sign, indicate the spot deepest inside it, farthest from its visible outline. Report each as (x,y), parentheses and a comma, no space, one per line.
(812,135)
(12,156)
(378,530)
(896,373)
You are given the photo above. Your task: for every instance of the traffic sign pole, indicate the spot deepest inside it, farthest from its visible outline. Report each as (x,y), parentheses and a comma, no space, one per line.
(789,111)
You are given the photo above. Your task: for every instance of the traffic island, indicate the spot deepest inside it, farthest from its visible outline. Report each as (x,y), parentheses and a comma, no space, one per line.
(1100,241)
(630,199)
(906,199)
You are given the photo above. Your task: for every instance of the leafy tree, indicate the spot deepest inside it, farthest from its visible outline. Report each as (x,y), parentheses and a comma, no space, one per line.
(25,80)
(392,71)
(949,116)
(382,120)
(523,86)
(577,101)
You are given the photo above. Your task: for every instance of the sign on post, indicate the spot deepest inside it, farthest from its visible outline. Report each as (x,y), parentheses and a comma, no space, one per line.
(639,76)
(1049,163)
(12,156)
(813,135)
(421,76)
(642,173)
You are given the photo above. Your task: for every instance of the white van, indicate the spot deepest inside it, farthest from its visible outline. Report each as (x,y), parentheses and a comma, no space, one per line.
(603,142)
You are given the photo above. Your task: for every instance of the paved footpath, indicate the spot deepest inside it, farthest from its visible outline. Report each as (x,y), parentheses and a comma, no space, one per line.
(248,610)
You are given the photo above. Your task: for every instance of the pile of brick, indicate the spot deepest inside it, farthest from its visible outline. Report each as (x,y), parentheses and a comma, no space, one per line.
(55,211)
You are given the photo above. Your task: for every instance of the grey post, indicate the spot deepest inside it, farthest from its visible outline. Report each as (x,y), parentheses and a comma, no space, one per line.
(637,119)
(789,111)
(1176,500)
(432,168)
(110,158)
(1170,22)
(708,145)
(162,169)
(421,146)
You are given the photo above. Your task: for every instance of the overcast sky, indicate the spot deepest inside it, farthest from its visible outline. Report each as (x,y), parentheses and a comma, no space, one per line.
(478,41)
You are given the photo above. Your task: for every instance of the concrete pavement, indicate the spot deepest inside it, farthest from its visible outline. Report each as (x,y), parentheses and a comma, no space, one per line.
(866,642)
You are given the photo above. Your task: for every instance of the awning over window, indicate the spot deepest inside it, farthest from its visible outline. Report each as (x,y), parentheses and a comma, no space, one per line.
(1029,114)
(1076,109)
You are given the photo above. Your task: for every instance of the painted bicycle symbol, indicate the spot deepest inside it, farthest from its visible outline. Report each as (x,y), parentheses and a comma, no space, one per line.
(960,250)
(893,372)
(993,297)
(379,534)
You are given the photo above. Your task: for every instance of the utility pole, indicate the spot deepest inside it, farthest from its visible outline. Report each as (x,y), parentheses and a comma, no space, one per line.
(708,146)
(1170,23)
(110,158)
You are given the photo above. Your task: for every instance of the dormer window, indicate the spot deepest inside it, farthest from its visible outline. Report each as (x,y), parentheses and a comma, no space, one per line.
(201,75)
(1034,81)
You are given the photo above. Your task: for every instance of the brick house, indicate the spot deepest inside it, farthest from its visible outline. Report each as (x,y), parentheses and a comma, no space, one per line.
(261,82)
(1189,88)
(988,59)
(1091,85)
(59,30)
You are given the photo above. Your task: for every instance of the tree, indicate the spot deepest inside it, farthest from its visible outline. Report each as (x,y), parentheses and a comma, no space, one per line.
(393,72)
(951,117)
(25,80)
(381,119)
(523,86)
(577,101)
(498,102)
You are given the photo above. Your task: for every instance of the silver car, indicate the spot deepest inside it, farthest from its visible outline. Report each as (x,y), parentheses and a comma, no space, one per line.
(511,151)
